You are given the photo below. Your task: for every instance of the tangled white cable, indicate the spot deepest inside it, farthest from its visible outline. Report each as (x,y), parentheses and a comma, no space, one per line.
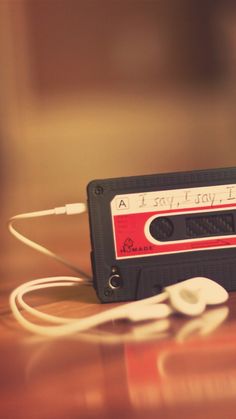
(188,297)
(66,326)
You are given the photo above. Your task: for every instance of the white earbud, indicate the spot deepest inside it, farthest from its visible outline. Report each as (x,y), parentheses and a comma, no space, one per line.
(187,301)
(190,297)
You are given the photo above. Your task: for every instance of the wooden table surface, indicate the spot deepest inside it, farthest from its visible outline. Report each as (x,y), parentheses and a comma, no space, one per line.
(184,369)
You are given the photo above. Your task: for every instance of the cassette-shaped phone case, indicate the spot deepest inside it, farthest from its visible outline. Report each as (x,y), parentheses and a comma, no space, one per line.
(151,231)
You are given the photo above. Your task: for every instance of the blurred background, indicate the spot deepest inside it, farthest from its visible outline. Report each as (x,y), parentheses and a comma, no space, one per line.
(105,88)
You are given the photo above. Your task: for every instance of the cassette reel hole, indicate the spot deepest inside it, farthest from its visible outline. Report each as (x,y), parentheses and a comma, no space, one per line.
(161,228)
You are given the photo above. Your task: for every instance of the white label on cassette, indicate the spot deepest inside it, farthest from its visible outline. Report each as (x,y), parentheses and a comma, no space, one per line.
(131,213)
(174,199)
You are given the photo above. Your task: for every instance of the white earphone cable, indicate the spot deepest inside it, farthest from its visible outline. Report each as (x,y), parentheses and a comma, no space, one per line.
(155,307)
(67,326)
(69,209)
(62,326)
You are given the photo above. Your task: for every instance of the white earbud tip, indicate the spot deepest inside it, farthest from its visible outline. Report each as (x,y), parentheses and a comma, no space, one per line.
(187,301)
